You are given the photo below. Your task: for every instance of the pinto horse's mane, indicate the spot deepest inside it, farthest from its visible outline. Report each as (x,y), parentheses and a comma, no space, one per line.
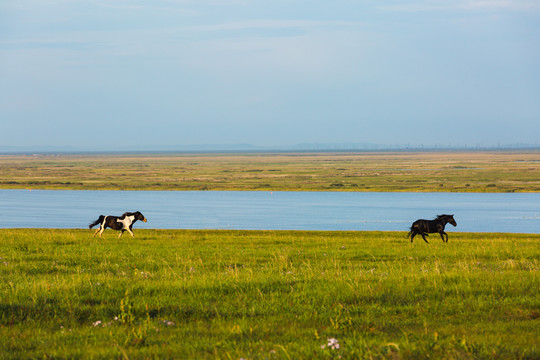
(128,214)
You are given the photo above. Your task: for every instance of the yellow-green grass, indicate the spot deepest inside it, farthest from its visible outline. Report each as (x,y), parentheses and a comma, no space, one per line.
(267,295)
(385,171)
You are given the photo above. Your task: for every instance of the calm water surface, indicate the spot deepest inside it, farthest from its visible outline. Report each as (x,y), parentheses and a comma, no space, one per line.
(255,210)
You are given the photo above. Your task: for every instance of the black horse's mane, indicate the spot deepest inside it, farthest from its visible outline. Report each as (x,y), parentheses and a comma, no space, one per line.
(443,216)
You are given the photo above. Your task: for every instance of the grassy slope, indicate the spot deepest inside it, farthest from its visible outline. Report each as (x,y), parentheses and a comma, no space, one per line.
(257,294)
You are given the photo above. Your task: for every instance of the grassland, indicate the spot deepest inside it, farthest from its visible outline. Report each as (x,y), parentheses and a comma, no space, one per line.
(270,295)
(267,295)
(385,171)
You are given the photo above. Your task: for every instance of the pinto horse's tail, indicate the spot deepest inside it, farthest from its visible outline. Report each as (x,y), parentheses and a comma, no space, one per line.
(98,221)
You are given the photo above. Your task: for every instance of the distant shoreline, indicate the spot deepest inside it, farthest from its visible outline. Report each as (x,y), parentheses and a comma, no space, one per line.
(493,171)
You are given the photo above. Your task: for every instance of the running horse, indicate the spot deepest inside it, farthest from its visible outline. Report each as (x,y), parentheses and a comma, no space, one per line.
(423,227)
(120,223)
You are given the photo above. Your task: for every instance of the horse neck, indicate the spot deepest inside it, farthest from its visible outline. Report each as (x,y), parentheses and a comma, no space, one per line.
(444,221)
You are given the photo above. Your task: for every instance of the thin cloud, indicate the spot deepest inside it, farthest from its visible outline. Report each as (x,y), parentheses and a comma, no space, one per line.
(137,7)
(487,5)
(503,5)
(270,24)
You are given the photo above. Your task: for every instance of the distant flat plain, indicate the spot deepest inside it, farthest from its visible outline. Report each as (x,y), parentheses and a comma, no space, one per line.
(452,171)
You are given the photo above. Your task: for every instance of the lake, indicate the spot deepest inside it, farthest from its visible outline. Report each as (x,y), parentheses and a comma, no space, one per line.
(257,210)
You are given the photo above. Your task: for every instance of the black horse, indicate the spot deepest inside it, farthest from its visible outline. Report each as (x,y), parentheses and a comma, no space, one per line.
(121,223)
(423,227)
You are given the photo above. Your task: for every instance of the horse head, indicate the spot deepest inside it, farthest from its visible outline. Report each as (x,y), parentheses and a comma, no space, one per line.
(450,219)
(140,216)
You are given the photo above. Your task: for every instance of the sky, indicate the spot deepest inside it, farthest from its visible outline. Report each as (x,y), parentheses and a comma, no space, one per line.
(143,74)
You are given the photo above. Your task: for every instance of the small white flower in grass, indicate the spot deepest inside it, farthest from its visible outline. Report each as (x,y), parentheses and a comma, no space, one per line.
(333,344)
(97,323)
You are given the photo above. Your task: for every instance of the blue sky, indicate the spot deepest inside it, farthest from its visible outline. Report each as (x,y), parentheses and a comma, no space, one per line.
(109,74)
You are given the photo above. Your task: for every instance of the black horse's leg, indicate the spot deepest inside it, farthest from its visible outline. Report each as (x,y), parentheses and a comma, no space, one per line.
(442,233)
(413,235)
(445,234)
(424,237)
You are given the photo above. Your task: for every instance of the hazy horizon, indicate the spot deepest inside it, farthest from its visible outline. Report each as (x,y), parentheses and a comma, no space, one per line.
(247,148)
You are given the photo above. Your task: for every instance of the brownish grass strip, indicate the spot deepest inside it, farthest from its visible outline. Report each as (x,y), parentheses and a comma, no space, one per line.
(496,171)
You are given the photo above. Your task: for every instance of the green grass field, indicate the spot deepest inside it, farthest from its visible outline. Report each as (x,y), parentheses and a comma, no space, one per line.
(267,295)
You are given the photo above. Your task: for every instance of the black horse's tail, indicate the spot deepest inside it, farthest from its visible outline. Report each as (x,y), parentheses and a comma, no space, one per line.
(98,221)
(410,233)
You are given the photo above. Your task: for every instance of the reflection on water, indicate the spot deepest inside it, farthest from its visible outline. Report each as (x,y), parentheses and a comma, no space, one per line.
(512,212)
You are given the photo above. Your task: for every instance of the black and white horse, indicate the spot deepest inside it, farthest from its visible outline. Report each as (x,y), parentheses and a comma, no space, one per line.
(120,223)
(423,227)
